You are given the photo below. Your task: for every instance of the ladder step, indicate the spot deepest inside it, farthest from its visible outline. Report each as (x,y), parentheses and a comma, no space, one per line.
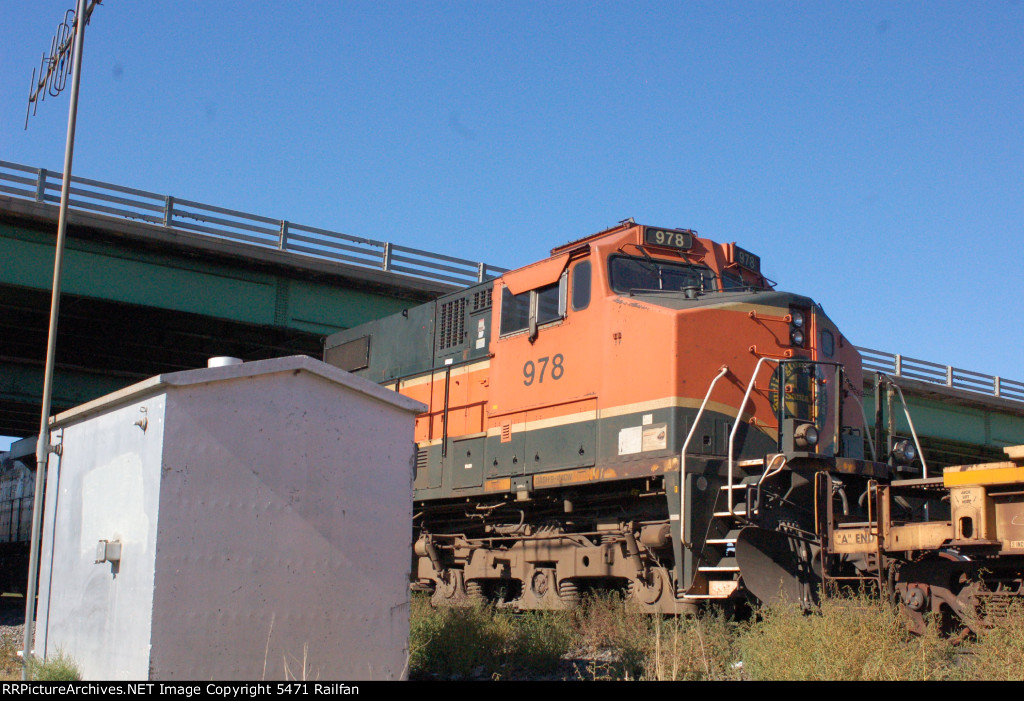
(737,510)
(749,481)
(750,463)
(729,539)
(726,564)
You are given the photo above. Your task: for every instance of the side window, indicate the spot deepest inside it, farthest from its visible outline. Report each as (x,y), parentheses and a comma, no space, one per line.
(581,286)
(548,304)
(543,305)
(515,311)
(828,343)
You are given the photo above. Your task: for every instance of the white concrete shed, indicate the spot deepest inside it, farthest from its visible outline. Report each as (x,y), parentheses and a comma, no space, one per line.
(242,522)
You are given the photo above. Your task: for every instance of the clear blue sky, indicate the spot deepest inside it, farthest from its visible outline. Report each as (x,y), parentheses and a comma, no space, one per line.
(872,152)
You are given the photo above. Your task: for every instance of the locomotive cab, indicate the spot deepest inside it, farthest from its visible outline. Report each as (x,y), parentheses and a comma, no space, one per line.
(615,415)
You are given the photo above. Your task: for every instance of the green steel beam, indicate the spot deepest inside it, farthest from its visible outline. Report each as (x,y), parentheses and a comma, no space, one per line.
(954,420)
(184,283)
(22,384)
(141,300)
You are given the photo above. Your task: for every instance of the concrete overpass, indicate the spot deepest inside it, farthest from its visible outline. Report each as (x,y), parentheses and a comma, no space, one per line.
(154,283)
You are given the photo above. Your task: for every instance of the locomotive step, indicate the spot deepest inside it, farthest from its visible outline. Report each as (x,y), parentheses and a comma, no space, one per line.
(726,564)
(748,481)
(729,539)
(737,510)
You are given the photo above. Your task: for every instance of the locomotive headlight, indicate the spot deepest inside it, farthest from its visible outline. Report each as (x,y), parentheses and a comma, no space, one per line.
(904,452)
(797,336)
(806,436)
(798,319)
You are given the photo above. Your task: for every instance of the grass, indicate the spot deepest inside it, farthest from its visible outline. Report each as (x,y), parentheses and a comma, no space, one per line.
(998,652)
(57,668)
(854,639)
(477,640)
(608,639)
(10,662)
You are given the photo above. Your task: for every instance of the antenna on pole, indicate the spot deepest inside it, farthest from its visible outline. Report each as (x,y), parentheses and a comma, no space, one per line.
(65,55)
(55,67)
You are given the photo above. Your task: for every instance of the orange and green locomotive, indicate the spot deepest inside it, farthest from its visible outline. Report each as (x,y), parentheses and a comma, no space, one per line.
(642,410)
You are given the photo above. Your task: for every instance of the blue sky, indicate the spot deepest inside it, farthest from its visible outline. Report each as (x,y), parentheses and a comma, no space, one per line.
(872,153)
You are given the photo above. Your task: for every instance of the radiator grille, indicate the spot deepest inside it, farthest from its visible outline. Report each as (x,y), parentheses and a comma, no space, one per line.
(451,329)
(482,299)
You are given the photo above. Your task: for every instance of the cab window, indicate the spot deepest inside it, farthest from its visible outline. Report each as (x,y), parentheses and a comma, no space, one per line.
(548,307)
(543,305)
(731,281)
(581,286)
(515,311)
(646,274)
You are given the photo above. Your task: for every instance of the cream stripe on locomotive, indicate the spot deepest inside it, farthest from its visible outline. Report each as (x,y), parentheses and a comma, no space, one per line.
(432,375)
(610,412)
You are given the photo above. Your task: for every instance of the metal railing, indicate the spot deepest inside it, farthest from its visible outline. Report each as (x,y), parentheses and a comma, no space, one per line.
(897,366)
(41,185)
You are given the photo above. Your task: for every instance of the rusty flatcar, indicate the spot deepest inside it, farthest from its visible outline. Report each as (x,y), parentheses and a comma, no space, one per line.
(948,548)
(641,410)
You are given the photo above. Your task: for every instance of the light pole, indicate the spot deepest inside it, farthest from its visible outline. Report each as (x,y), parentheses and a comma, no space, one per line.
(66,48)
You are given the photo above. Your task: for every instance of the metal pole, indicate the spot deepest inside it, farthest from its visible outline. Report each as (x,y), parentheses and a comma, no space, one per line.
(43,447)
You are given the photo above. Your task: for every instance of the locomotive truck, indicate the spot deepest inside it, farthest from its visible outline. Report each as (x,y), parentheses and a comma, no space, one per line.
(641,411)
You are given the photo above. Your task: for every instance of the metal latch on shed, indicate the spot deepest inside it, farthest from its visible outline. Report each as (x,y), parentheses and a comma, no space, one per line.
(108,551)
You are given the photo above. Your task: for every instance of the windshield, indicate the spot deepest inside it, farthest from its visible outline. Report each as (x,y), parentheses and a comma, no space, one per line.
(628,273)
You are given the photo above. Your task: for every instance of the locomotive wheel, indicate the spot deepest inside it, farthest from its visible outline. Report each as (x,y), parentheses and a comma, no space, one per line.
(934,587)
(540,591)
(450,588)
(540,583)
(648,592)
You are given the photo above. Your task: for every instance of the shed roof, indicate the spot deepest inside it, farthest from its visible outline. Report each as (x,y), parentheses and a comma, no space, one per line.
(273,366)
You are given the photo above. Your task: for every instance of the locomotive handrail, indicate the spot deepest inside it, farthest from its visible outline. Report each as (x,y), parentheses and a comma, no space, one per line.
(735,428)
(686,444)
(768,472)
(910,422)
(864,415)
(37,184)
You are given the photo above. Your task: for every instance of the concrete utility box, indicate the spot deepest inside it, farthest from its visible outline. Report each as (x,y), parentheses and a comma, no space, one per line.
(242,522)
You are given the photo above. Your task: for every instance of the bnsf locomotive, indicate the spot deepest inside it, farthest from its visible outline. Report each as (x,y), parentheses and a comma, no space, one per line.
(641,411)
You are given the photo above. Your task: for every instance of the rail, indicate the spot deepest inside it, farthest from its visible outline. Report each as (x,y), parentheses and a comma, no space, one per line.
(42,185)
(897,366)
(682,455)
(739,419)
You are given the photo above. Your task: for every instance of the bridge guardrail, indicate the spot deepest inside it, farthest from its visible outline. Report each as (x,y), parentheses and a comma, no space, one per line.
(897,366)
(41,185)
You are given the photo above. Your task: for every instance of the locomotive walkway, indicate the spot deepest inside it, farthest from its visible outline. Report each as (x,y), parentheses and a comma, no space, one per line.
(155,283)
